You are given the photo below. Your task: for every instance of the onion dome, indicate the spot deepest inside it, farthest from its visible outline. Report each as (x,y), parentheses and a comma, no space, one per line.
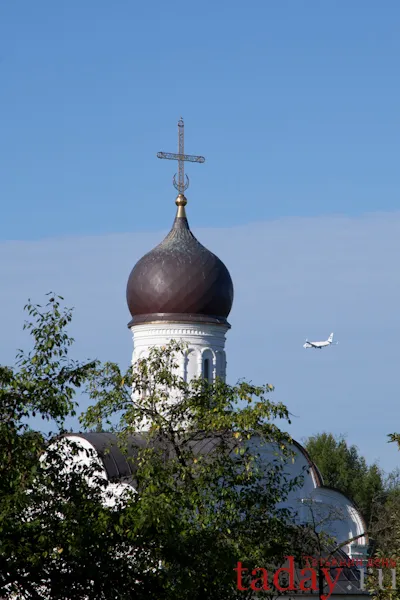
(179,280)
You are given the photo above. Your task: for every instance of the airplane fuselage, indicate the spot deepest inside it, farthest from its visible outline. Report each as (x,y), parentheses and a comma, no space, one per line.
(320,345)
(316,344)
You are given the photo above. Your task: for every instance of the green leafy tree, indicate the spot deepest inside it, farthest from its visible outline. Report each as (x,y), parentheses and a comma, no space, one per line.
(208,493)
(57,537)
(385,533)
(343,468)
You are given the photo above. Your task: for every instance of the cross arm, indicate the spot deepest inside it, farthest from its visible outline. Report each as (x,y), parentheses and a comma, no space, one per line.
(185,157)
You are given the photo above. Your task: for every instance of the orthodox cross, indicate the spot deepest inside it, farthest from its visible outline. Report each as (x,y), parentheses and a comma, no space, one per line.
(181,185)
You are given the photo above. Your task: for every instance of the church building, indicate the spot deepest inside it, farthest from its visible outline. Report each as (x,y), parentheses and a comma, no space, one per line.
(180,290)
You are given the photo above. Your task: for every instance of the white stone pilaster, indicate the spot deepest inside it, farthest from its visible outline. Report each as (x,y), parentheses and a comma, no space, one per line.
(204,341)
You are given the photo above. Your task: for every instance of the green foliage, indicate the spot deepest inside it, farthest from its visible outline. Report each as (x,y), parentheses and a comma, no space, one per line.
(57,539)
(342,467)
(394,437)
(385,535)
(207,496)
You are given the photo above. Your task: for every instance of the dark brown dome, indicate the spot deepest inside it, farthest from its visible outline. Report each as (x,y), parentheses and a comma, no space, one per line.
(180,277)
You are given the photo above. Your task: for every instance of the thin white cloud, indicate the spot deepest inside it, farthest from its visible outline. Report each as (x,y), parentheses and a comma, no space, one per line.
(294,278)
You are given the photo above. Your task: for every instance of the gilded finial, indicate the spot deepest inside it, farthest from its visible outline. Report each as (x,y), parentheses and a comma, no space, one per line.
(181,203)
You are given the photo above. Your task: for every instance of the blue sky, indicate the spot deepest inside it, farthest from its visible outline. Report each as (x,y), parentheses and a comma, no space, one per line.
(295,107)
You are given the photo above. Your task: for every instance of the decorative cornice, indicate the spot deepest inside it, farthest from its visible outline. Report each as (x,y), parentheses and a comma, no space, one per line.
(177,318)
(180,331)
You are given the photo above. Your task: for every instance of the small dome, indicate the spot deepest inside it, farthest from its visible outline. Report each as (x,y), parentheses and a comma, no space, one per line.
(179,277)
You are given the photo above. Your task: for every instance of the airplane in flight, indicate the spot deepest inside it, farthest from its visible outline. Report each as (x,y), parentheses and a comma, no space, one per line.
(320,345)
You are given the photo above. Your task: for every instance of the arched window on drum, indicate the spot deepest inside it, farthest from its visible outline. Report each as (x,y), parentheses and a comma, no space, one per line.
(206,369)
(207,365)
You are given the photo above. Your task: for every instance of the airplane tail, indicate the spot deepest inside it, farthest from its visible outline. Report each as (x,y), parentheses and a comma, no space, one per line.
(330,338)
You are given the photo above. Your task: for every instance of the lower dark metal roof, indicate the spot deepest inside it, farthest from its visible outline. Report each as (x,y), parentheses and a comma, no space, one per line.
(118,465)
